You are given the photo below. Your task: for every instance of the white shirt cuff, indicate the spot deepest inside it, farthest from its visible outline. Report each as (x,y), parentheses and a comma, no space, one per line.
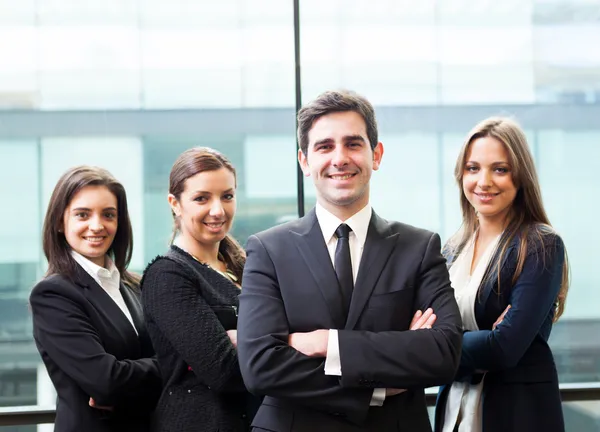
(333,364)
(378,397)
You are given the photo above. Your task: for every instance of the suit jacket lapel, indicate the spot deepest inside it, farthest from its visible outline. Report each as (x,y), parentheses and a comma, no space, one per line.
(104,303)
(313,250)
(132,300)
(490,283)
(135,308)
(378,247)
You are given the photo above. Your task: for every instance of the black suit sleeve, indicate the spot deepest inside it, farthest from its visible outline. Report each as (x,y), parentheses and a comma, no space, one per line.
(174,304)
(269,365)
(63,329)
(405,359)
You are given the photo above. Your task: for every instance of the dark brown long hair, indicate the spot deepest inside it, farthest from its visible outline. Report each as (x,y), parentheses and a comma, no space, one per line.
(527,218)
(188,164)
(56,248)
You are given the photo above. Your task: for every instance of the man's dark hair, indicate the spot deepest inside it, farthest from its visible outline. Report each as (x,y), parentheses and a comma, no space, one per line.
(331,102)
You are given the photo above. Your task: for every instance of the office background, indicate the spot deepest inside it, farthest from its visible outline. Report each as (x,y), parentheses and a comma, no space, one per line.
(130,84)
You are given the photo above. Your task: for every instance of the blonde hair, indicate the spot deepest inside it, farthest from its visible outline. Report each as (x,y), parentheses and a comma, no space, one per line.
(527,217)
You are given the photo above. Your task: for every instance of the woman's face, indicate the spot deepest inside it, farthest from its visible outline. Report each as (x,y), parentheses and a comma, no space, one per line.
(487,179)
(206,207)
(90,222)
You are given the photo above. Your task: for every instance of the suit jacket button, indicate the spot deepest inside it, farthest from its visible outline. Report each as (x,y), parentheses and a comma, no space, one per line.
(170,393)
(189,391)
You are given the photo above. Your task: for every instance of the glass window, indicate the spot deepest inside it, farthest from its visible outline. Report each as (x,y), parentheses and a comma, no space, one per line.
(129,85)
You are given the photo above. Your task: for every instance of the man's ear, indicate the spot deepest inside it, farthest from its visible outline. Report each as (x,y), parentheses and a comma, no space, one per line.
(377,155)
(303,161)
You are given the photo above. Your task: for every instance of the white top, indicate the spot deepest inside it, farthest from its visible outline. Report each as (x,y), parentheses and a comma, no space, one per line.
(466,398)
(108,278)
(359,223)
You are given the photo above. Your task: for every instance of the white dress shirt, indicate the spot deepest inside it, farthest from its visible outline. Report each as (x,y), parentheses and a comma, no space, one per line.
(109,279)
(359,223)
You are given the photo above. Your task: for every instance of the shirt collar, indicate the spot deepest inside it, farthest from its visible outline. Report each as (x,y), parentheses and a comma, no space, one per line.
(94,269)
(358,222)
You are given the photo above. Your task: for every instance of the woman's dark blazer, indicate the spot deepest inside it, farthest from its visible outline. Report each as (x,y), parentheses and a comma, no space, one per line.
(202,384)
(521,386)
(90,349)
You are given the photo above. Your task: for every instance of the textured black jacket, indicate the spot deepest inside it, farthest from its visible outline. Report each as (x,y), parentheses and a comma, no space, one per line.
(202,385)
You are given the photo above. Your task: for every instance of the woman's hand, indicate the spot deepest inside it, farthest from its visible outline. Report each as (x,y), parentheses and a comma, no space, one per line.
(93,404)
(500,318)
(232,337)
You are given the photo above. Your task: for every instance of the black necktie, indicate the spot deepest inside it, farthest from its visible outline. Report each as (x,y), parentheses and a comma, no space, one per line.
(343,265)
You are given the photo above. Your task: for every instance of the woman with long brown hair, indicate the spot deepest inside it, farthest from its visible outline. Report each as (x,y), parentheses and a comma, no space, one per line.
(87,320)
(509,270)
(190,298)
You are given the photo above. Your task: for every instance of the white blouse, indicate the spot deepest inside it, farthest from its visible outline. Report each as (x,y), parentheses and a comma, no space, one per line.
(108,278)
(465,399)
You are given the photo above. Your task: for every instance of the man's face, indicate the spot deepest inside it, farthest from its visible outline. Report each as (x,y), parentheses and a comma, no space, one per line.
(340,161)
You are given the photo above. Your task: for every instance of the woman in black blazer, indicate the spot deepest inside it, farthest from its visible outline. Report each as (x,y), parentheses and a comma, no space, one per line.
(190,299)
(87,319)
(510,274)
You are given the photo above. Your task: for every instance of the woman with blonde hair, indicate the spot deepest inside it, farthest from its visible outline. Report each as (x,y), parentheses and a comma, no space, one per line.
(509,270)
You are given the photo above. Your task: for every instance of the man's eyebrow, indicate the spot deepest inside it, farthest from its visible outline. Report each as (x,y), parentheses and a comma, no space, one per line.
(323,141)
(353,138)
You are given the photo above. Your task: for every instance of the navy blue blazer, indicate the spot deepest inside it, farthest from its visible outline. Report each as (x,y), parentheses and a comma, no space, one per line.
(521,386)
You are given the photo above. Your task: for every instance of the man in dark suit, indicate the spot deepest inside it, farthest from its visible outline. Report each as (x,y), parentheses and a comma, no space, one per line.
(327,300)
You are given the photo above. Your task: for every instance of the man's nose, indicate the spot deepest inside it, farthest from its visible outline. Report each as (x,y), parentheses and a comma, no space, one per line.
(340,157)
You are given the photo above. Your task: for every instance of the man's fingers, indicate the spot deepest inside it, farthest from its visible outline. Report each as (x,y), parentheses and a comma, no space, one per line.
(430,321)
(422,320)
(415,319)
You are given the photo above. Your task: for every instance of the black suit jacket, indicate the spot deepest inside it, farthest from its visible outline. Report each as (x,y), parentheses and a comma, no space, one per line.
(290,286)
(203,389)
(521,386)
(90,349)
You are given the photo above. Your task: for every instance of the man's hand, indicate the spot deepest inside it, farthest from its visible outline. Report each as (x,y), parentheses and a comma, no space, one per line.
(232,337)
(420,321)
(93,404)
(312,344)
(423,320)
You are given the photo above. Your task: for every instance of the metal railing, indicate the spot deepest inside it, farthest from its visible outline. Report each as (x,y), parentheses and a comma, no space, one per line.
(28,415)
